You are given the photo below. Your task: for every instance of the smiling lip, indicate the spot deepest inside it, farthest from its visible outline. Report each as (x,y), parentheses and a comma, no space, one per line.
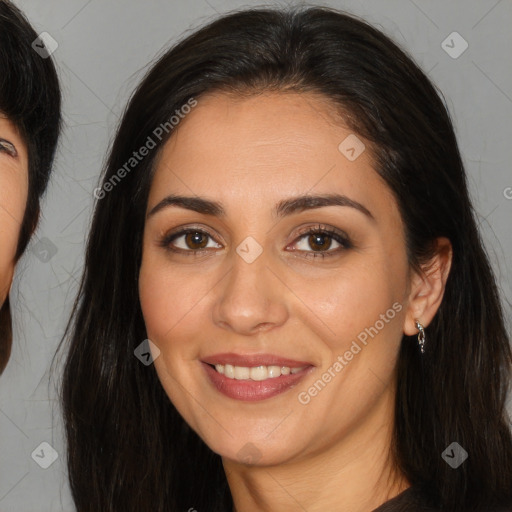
(253,360)
(250,390)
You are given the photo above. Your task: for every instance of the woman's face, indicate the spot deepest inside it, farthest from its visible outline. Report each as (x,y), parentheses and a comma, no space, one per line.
(13,199)
(274,250)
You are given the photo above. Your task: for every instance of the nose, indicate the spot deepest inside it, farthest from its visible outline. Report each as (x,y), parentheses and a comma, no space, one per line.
(250,299)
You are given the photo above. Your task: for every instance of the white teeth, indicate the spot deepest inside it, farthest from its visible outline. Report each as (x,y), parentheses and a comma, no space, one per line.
(229,371)
(259,373)
(255,372)
(274,371)
(242,373)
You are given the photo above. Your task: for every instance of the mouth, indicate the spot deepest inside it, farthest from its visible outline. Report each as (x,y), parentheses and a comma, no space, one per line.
(253,378)
(256,373)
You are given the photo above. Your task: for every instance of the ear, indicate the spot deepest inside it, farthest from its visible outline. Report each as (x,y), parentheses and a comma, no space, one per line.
(427,287)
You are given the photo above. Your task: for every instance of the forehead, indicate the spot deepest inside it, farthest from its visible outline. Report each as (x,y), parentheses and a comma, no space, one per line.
(271,145)
(265,121)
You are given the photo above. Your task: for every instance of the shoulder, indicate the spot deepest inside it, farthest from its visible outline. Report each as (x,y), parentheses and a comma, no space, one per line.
(412,499)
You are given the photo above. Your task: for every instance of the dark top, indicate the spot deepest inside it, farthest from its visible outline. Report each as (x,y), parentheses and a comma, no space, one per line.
(411,501)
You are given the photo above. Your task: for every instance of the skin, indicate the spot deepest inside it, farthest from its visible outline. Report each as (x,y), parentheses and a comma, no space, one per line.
(13,199)
(250,153)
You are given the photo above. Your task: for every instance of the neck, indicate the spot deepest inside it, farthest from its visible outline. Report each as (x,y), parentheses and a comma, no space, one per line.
(355,474)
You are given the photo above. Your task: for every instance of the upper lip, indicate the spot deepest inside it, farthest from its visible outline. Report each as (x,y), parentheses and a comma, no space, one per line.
(250,360)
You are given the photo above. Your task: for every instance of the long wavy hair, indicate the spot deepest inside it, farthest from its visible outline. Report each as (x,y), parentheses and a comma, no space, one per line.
(128,448)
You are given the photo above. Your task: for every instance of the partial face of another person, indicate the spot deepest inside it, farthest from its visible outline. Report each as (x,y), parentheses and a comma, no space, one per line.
(278,317)
(13,199)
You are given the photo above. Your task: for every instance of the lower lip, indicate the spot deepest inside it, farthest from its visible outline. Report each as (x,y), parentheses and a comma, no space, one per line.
(251,390)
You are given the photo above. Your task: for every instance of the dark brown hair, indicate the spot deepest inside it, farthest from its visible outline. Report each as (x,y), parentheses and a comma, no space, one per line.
(30,98)
(129,449)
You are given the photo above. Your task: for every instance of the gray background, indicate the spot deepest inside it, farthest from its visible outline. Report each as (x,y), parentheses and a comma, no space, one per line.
(104,48)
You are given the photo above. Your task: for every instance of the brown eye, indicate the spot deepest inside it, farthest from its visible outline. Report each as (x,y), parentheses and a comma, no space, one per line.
(319,241)
(322,241)
(190,240)
(196,240)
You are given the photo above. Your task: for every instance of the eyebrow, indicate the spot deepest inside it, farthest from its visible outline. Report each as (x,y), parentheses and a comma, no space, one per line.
(282,209)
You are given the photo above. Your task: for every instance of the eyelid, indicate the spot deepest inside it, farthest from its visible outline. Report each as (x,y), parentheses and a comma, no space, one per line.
(326,230)
(321,227)
(337,235)
(9,147)
(168,237)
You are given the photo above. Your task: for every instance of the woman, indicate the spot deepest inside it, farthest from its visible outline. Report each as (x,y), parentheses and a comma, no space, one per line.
(29,127)
(285,215)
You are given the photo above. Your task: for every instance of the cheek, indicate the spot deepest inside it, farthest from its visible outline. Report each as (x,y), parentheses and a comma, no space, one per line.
(346,301)
(158,299)
(13,196)
(173,313)
(170,300)
(6,275)
(8,242)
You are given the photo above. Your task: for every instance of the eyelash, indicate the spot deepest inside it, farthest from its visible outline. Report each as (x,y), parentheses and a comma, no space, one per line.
(339,237)
(8,147)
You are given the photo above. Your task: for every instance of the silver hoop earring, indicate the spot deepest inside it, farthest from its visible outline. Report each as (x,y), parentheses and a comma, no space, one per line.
(421,336)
